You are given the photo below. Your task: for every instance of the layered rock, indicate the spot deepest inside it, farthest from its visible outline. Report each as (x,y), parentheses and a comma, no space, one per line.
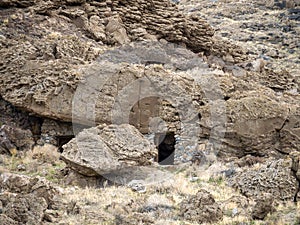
(74,72)
(22,209)
(28,185)
(102,150)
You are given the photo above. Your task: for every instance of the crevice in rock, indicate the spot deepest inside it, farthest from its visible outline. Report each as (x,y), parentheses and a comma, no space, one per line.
(226,98)
(298,189)
(166,147)
(62,140)
(35,125)
(294,170)
(278,137)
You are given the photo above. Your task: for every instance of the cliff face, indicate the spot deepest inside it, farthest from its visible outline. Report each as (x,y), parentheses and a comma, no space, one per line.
(204,81)
(82,61)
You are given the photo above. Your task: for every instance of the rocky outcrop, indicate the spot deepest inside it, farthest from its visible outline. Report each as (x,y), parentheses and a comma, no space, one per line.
(254,123)
(102,150)
(39,66)
(273,177)
(22,209)
(24,200)
(263,206)
(77,72)
(28,185)
(201,208)
(13,139)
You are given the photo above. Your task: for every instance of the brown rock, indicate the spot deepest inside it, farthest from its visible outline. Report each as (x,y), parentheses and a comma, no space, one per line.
(272,177)
(22,184)
(116,31)
(23,209)
(13,138)
(5,220)
(263,206)
(98,150)
(201,208)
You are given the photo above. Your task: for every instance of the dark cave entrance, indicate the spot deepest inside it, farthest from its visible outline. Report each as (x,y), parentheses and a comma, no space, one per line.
(62,140)
(165,143)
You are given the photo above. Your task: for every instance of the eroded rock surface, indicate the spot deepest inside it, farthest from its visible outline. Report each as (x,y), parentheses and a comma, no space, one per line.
(101,150)
(201,208)
(45,71)
(24,200)
(263,206)
(78,33)
(28,185)
(13,139)
(273,177)
(22,209)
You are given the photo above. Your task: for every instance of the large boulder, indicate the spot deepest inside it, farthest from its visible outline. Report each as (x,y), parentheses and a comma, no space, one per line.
(102,150)
(273,177)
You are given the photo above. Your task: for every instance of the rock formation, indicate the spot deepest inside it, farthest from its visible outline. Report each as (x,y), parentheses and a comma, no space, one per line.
(24,200)
(201,208)
(46,71)
(102,150)
(273,177)
(117,84)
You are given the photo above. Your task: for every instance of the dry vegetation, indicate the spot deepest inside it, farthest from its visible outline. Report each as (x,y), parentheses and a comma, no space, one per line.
(117,204)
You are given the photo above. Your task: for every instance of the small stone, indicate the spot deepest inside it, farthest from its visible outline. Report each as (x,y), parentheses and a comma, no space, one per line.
(137,185)
(194,179)
(21,167)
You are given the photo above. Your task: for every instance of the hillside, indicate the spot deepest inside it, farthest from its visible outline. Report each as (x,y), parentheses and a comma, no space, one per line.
(149,112)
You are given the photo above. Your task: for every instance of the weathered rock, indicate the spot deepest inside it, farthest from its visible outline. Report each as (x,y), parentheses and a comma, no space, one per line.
(201,208)
(296,164)
(22,209)
(116,31)
(101,150)
(273,177)
(263,206)
(67,46)
(138,186)
(22,184)
(253,125)
(5,220)
(281,3)
(23,199)
(13,138)
(44,71)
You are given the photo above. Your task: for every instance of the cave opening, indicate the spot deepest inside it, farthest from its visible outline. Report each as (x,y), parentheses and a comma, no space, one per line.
(62,140)
(165,143)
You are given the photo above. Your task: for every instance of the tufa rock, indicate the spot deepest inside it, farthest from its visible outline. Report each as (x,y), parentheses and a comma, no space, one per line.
(24,200)
(22,209)
(14,138)
(273,177)
(98,151)
(22,184)
(263,206)
(201,208)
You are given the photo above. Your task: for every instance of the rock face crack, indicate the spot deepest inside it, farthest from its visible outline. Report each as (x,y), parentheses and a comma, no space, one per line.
(296,172)
(297,194)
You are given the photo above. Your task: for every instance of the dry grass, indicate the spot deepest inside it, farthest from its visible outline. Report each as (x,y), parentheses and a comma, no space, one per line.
(88,206)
